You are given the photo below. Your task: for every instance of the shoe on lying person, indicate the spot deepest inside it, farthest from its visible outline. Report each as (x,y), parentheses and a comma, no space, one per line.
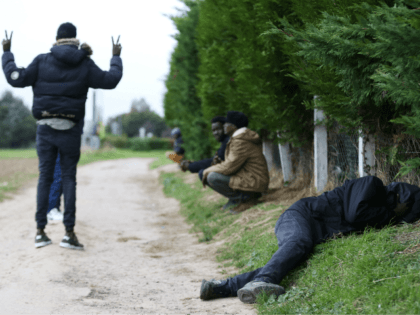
(55,215)
(41,239)
(214,289)
(248,294)
(70,241)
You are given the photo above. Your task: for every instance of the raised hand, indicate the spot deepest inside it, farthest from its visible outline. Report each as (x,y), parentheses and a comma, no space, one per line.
(116,48)
(88,49)
(7,43)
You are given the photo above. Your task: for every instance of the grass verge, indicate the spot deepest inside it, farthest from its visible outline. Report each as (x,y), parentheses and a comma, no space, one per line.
(377,272)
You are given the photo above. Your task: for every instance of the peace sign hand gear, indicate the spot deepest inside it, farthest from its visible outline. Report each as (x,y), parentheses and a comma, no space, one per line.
(116,48)
(7,43)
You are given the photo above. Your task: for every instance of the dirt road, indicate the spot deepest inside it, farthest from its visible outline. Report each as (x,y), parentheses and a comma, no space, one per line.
(139,257)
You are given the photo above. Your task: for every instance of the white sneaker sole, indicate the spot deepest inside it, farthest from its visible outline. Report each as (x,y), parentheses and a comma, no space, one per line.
(249,295)
(67,245)
(38,245)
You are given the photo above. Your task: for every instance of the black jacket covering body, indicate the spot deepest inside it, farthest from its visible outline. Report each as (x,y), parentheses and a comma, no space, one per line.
(195,167)
(60,80)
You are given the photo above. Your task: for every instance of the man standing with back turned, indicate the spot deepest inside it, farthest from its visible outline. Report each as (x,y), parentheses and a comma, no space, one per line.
(60,81)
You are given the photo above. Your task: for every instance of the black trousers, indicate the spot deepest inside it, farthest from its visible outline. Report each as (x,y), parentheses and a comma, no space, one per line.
(294,232)
(49,142)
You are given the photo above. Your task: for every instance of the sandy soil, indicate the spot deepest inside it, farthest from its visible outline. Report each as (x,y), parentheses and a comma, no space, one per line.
(139,257)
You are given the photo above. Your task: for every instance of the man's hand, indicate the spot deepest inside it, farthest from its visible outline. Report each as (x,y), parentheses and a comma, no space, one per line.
(7,43)
(400,209)
(216,160)
(204,181)
(116,48)
(184,165)
(88,49)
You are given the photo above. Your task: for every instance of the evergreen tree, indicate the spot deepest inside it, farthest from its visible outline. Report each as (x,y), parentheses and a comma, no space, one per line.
(18,127)
(321,55)
(242,71)
(181,104)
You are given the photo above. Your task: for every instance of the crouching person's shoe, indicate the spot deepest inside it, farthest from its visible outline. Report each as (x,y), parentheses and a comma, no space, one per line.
(214,289)
(230,204)
(70,241)
(248,294)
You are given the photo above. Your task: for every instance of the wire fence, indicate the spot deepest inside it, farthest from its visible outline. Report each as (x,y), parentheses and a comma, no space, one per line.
(389,151)
(343,158)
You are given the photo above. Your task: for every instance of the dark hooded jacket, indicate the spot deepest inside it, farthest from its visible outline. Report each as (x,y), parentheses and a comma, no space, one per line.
(60,80)
(195,167)
(359,203)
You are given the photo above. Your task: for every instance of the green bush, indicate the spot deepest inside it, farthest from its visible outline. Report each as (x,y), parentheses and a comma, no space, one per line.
(120,142)
(147,144)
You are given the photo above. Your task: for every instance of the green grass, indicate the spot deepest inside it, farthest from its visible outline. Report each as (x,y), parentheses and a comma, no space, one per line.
(358,274)
(17,153)
(202,215)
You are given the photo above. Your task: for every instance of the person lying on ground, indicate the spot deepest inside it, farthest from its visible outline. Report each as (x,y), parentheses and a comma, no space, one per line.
(243,175)
(219,134)
(60,80)
(358,204)
(179,150)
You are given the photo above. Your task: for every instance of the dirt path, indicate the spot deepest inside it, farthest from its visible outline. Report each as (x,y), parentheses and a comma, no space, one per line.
(139,256)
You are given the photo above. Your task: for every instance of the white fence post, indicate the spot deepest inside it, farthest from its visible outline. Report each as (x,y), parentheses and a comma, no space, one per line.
(271,153)
(286,161)
(320,151)
(366,155)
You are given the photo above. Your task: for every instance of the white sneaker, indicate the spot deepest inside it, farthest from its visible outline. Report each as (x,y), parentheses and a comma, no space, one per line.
(55,215)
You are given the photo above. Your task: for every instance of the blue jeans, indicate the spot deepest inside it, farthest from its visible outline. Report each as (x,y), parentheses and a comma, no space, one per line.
(294,235)
(56,188)
(49,142)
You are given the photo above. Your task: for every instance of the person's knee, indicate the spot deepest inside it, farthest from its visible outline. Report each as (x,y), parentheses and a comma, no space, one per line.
(47,176)
(212,178)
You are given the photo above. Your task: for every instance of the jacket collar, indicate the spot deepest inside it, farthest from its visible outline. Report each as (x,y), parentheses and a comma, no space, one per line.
(239,131)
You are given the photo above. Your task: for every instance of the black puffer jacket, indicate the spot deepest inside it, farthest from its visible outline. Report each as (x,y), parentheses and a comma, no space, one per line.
(61,79)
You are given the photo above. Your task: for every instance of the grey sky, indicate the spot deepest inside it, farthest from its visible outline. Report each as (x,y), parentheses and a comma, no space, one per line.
(145,38)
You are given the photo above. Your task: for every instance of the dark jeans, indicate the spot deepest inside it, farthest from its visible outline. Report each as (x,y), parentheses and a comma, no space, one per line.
(294,234)
(48,143)
(220,183)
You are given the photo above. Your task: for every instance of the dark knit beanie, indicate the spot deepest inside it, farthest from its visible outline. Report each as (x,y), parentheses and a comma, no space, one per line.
(219,119)
(237,118)
(66,30)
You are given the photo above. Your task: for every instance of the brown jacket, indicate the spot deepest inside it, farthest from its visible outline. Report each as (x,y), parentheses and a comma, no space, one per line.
(244,162)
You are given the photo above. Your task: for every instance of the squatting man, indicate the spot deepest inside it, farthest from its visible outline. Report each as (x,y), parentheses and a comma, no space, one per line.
(60,81)
(359,203)
(243,176)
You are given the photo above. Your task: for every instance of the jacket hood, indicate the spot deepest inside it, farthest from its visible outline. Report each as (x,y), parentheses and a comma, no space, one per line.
(249,135)
(68,54)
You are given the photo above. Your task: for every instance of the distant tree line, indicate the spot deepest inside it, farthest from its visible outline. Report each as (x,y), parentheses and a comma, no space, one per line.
(17,126)
(269,58)
(139,116)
